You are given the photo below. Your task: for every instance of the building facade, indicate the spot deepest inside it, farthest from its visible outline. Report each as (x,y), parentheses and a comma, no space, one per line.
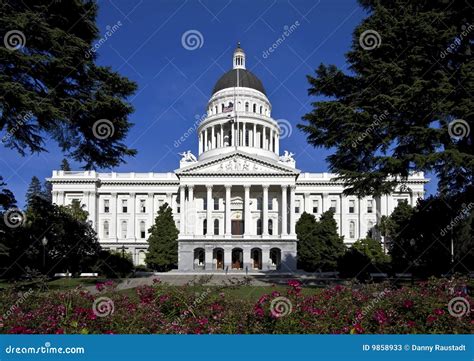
(235,204)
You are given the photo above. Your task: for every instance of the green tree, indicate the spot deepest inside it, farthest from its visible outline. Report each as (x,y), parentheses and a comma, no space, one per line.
(372,249)
(319,245)
(47,191)
(34,190)
(394,110)
(51,86)
(65,165)
(162,252)
(76,210)
(7,199)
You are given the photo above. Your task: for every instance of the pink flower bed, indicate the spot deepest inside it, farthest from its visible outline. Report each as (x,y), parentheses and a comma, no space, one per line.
(169,310)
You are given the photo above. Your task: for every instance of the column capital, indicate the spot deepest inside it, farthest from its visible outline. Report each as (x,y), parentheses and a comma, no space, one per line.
(190,186)
(265,186)
(151,194)
(209,186)
(228,186)
(292,187)
(113,194)
(247,186)
(132,194)
(285,186)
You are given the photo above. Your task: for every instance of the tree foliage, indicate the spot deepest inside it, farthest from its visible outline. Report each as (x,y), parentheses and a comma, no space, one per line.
(398,108)
(319,245)
(162,251)
(51,86)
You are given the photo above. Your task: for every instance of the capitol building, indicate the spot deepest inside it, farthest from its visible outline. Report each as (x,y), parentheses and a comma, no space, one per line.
(236,202)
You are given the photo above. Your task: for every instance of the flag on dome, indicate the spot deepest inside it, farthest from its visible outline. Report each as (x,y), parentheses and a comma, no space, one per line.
(228,108)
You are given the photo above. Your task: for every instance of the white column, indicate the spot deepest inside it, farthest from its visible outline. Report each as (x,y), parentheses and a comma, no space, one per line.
(200,143)
(169,199)
(306,206)
(227,210)
(208,258)
(228,257)
(247,216)
(243,135)
(325,201)
(292,209)
(151,209)
(93,209)
(113,220)
(222,136)
(284,210)
(343,209)
(213,138)
(277,143)
(182,220)
(265,210)
(254,135)
(132,215)
(210,206)
(61,199)
(232,127)
(190,212)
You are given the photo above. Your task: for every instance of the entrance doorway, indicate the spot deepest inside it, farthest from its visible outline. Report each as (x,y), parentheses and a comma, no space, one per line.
(237,258)
(237,227)
(219,258)
(256,254)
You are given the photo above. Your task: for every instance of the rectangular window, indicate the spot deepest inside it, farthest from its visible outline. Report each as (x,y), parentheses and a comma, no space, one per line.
(142,230)
(204,205)
(142,206)
(315,206)
(124,206)
(106,206)
(124,229)
(297,206)
(333,205)
(259,204)
(270,203)
(216,204)
(370,206)
(351,206)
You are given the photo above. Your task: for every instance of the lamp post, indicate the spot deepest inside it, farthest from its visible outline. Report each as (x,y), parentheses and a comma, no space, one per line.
(44,242)
(123,251)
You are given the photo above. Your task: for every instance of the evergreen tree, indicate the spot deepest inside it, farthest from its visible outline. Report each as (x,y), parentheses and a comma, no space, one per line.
(309,249)
(405,104)
(65,165)
(51,85)
(34,190)
(372,249)
(76,210)
(333,244)
(47,191)
(7,199)
(162,252)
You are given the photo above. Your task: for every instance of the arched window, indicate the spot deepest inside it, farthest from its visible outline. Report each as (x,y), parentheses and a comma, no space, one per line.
(259,227)
(204,227)
(351,229)
(270,227)
(261,109)
(106,229)
(142,229)
(216,226)
(124,229)
(216,108)
(222,107)
(255,108)
(247,106)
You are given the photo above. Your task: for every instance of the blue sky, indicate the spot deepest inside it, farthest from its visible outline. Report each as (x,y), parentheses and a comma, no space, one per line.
(175,83)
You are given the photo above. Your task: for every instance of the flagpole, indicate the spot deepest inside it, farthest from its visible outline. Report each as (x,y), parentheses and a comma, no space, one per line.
(235,110)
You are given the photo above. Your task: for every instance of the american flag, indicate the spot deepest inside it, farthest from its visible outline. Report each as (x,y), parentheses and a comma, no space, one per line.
(228,109)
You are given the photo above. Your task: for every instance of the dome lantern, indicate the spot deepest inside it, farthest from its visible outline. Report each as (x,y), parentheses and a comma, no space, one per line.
(239,57)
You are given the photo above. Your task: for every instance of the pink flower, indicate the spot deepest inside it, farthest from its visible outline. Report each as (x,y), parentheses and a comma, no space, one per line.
(439,312)
(408,303)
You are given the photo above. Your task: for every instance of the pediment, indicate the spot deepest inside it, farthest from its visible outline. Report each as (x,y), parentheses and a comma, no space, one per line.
(235,164)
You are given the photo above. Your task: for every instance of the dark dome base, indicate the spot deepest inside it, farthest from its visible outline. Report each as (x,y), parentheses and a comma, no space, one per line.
(246,79)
